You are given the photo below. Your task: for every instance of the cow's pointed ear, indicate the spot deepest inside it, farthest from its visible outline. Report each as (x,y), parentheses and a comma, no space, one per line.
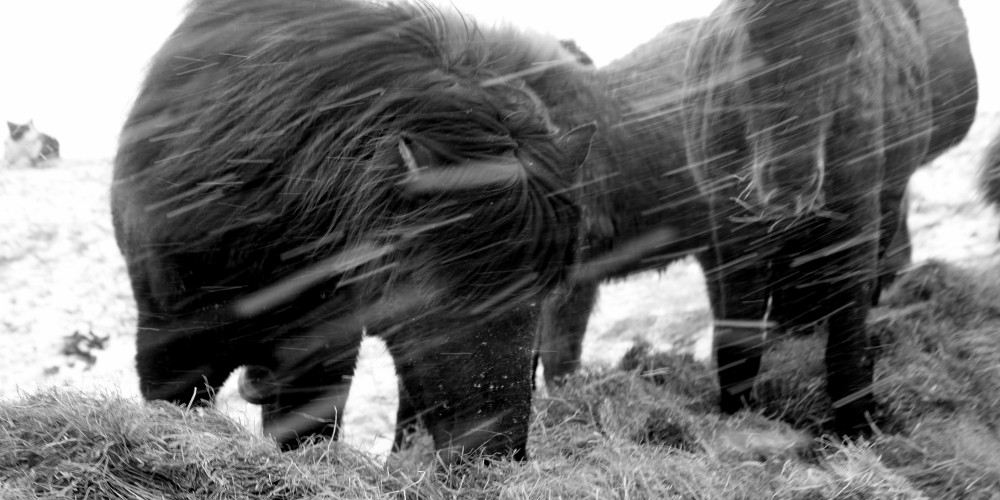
(576,143)
(414,156)
(12,127)
(406,156)
(413,161)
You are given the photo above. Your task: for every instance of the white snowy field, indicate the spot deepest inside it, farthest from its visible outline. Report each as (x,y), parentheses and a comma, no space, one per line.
(74,68)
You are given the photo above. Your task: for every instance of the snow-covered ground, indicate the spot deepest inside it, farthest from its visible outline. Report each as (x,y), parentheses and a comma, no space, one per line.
(74,67)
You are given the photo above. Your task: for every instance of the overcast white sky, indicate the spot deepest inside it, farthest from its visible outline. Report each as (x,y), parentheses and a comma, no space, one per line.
(74,65)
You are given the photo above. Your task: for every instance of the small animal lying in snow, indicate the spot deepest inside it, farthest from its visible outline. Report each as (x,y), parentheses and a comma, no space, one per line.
(26,146)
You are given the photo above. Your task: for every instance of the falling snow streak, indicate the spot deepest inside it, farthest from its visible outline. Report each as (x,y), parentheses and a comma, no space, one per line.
(476,175)
(287,289)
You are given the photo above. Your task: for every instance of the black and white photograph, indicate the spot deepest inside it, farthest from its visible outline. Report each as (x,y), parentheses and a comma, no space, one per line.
(423,249)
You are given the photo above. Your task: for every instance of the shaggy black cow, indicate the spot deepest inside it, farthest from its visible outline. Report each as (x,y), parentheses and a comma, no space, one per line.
(803,123)
(295,173)
(644,208)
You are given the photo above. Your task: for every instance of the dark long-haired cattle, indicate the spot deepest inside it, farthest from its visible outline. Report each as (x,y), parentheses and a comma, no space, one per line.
(644,208)
(295,173)
(804,121)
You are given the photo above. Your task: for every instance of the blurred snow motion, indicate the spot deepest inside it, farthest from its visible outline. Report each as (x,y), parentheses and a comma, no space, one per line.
(78,70)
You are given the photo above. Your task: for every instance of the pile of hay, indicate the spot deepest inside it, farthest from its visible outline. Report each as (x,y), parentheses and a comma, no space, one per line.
(646,429)
(66,444)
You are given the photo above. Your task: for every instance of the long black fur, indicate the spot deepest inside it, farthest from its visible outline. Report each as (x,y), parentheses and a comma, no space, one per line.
(294,172)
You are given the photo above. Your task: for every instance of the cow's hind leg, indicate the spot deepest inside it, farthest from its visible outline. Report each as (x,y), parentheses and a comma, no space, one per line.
(849,362)
(895,250)
(408,421)
(468,380)
(738,290)
(897,257)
